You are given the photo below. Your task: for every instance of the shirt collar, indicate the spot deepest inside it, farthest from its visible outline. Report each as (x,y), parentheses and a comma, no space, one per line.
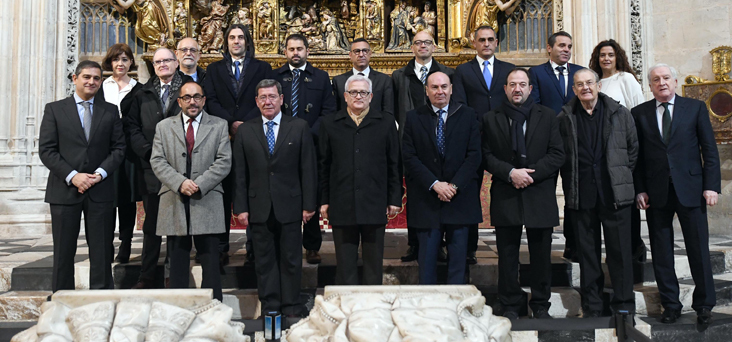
(276,119)
(240,60)
(555,65)
(671,102)
(78,99)
(196,120)
(435,109)
(419,66)
(481,60)
(365,72)
(110,80)
(302,68)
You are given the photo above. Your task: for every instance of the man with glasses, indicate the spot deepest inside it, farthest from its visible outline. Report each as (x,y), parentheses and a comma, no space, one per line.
(601,146)
(191,209)
(155,101)
(276,187)
(360,54)
(188,53)
(308,95)
(409,88)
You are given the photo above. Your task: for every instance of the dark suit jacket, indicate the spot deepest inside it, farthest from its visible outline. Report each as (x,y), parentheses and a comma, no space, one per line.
(316,98)
(469,88)
(63,148)
(124,105)
(285,182)
(382,89)
(690,159)
(223,100)
(536,205)
(546,86)
(359,168)
(424,165)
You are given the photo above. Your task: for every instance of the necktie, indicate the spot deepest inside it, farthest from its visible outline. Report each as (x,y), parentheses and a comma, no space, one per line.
(166,94)
(440,132)
(190,137)
(270,136)
(562,85)
(295,90)
(666,123)
(237,73)
(487,74)
(423,78)
(87,119)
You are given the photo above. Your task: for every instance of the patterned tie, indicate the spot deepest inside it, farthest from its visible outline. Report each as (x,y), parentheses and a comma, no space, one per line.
(423,70)
(270,136)
(295,90)
(487,74)
(190,137)
(166,94)
(237,73)
(87,119)
(562,85)
(440,132)
(666,124)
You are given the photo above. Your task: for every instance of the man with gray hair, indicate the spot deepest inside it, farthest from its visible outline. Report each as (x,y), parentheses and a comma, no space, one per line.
(359,181)
(188,53)
(678,173)
(601,146)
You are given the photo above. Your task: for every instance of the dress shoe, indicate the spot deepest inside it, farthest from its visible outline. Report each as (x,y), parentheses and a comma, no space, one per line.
(143,285)
(670,316)
(442,254)
(223,259)
(704,316)
(312,257)
(570,254)
(640,254)
(592,314)
(412,254)
(471,259)
(123,256)
(542,313)
(250,258)
(511,315)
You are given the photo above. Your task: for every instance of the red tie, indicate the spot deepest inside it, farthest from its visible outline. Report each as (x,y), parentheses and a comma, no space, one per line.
(190,138)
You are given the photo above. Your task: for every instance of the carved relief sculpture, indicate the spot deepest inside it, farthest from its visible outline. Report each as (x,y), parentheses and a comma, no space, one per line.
(266,25)
(399,34)
(152,20)
(312,33)
(334,38)
(373,21)
(242,17)
(486,13)
(345,10)
(354,8)
(430,19)
(721,62)
(181,21)
(265,31)
(211,26)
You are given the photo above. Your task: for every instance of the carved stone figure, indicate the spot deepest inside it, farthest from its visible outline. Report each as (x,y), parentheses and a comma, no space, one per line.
(373,21)
(334,38)
(242,17)
(152,21)
(345,10)
(430,19)
(399,34)
(266,22)
(211,25)
(180,19)
(486,12)
(312,33)
(354,7)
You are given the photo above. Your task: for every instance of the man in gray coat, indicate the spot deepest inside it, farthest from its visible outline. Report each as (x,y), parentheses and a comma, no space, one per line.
(191,155)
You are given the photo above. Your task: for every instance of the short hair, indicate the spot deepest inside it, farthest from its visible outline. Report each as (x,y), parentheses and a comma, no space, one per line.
(165,49)
(519,69)
(194,82)
(87,64)
(597,77)
(484,27)
(248,41)
(297,36)
(427,80)
(674,74)
(114,51)
(553,38)
(268,83)
(360,40)
(356,78)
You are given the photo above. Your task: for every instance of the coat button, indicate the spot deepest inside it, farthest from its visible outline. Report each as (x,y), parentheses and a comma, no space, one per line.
(434,160)
(271,173)
(183,155)
(357,150)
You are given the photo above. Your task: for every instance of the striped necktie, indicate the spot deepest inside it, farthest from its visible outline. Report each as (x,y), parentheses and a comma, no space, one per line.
(423,70)
(295,90)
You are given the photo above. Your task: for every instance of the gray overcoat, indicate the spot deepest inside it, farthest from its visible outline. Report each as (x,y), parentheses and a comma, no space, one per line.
(210,164)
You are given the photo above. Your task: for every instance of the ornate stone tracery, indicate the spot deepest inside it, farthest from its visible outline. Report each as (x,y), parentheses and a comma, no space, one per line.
(636,38)
(72,32)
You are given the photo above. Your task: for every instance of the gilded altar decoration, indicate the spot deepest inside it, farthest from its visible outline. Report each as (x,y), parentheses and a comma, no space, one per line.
(266,22)
(212,35)
(373,21)
(400,39)
(717,93)
(266,34)
(181,21)
(486,12)
(335,39)
(721,62)
(430,19)
(242,17)
(152,24)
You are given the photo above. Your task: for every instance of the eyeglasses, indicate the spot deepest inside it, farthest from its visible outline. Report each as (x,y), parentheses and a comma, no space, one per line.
(358,52)
(271,97)
(163,61)
(355,93)
(581,85)
(422,42)
(187,50)
(195,97)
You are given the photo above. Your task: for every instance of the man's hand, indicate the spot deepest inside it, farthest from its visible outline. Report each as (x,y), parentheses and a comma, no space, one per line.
(307,215)
(235,127)
(392,210)
(324,211)
(83,181)
(444,191)
(521,179)
(243,219)
(711,196)
(96,178)
(188,187)
(641,201)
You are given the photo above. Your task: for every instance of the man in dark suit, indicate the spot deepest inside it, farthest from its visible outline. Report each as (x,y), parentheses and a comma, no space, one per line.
(479,85)
(308,95)
(409,88)
(552,87)
(229,87)
(678,173)
(276,179)
(441,151)
(81,143)
(188,53)
(523,151)
(156,100)
(359,181)
(360,55)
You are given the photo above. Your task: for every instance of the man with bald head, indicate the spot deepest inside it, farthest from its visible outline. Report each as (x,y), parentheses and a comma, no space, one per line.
(442,182)
(155,101)
(188,53)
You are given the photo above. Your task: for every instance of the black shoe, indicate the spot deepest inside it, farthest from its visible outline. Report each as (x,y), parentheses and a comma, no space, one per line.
(640,254)
(250,258)
(442,254)
(592,314)
(704,316)
(412,254)
(670,316)
(223,259)
(313,257)
(471,259)
(124,252)
(542,313)
(511,315)
(570,254)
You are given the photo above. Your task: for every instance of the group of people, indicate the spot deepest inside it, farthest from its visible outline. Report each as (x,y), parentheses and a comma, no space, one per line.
(282,148)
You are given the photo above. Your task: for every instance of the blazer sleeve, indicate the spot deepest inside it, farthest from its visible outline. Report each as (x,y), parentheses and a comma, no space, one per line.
(133,129)
(536,90)
(414,167)
(393,164)
(548,165)
(221,166)
(387,98)
(712,175)
(117,144)
(328,104)
(241,171)
(48,142)
(472,162)
(167,175)
(325,159)
(213,104)
(308,170)
(639,181)
(458,89)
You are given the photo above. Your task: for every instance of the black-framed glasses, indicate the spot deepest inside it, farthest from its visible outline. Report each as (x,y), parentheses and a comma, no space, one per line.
(163,61)
(360,51)
(355,93)
(187,50)
(195,97)
(423,42)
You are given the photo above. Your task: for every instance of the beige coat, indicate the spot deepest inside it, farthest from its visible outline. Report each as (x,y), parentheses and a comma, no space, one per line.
(211,163)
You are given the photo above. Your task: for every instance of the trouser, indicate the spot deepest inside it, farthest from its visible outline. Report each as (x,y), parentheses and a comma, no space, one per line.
(65,227)
(150,241)
(508,242)
(278,261)
(179,248)
(430,240)
(618,256)
(346,240)
(228,186)
(694,227)
(311,236)
(635,228)
(569,229)
(126,215)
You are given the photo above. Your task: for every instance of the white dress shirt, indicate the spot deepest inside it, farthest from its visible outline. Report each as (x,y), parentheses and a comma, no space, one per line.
(196,123)
(302,68)
(233,65)
(418,66)
(365,72)
(275,128)
(113,94)
(565,74)
(659,113)
(162,90)
(481,61)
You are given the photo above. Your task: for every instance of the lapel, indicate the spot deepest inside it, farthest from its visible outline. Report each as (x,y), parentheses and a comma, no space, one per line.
(285,78)
(554,79)
(228,74)
(97,114)
(653,119)
(426,116)
(454,116)
(343,115)
(178,129)
(373,114)
(534,119)
(572,68)
(500,118)
(248,75)
(73,116)
(204,128)
(283,132)
(476,69)
(679,108)
(258,132)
